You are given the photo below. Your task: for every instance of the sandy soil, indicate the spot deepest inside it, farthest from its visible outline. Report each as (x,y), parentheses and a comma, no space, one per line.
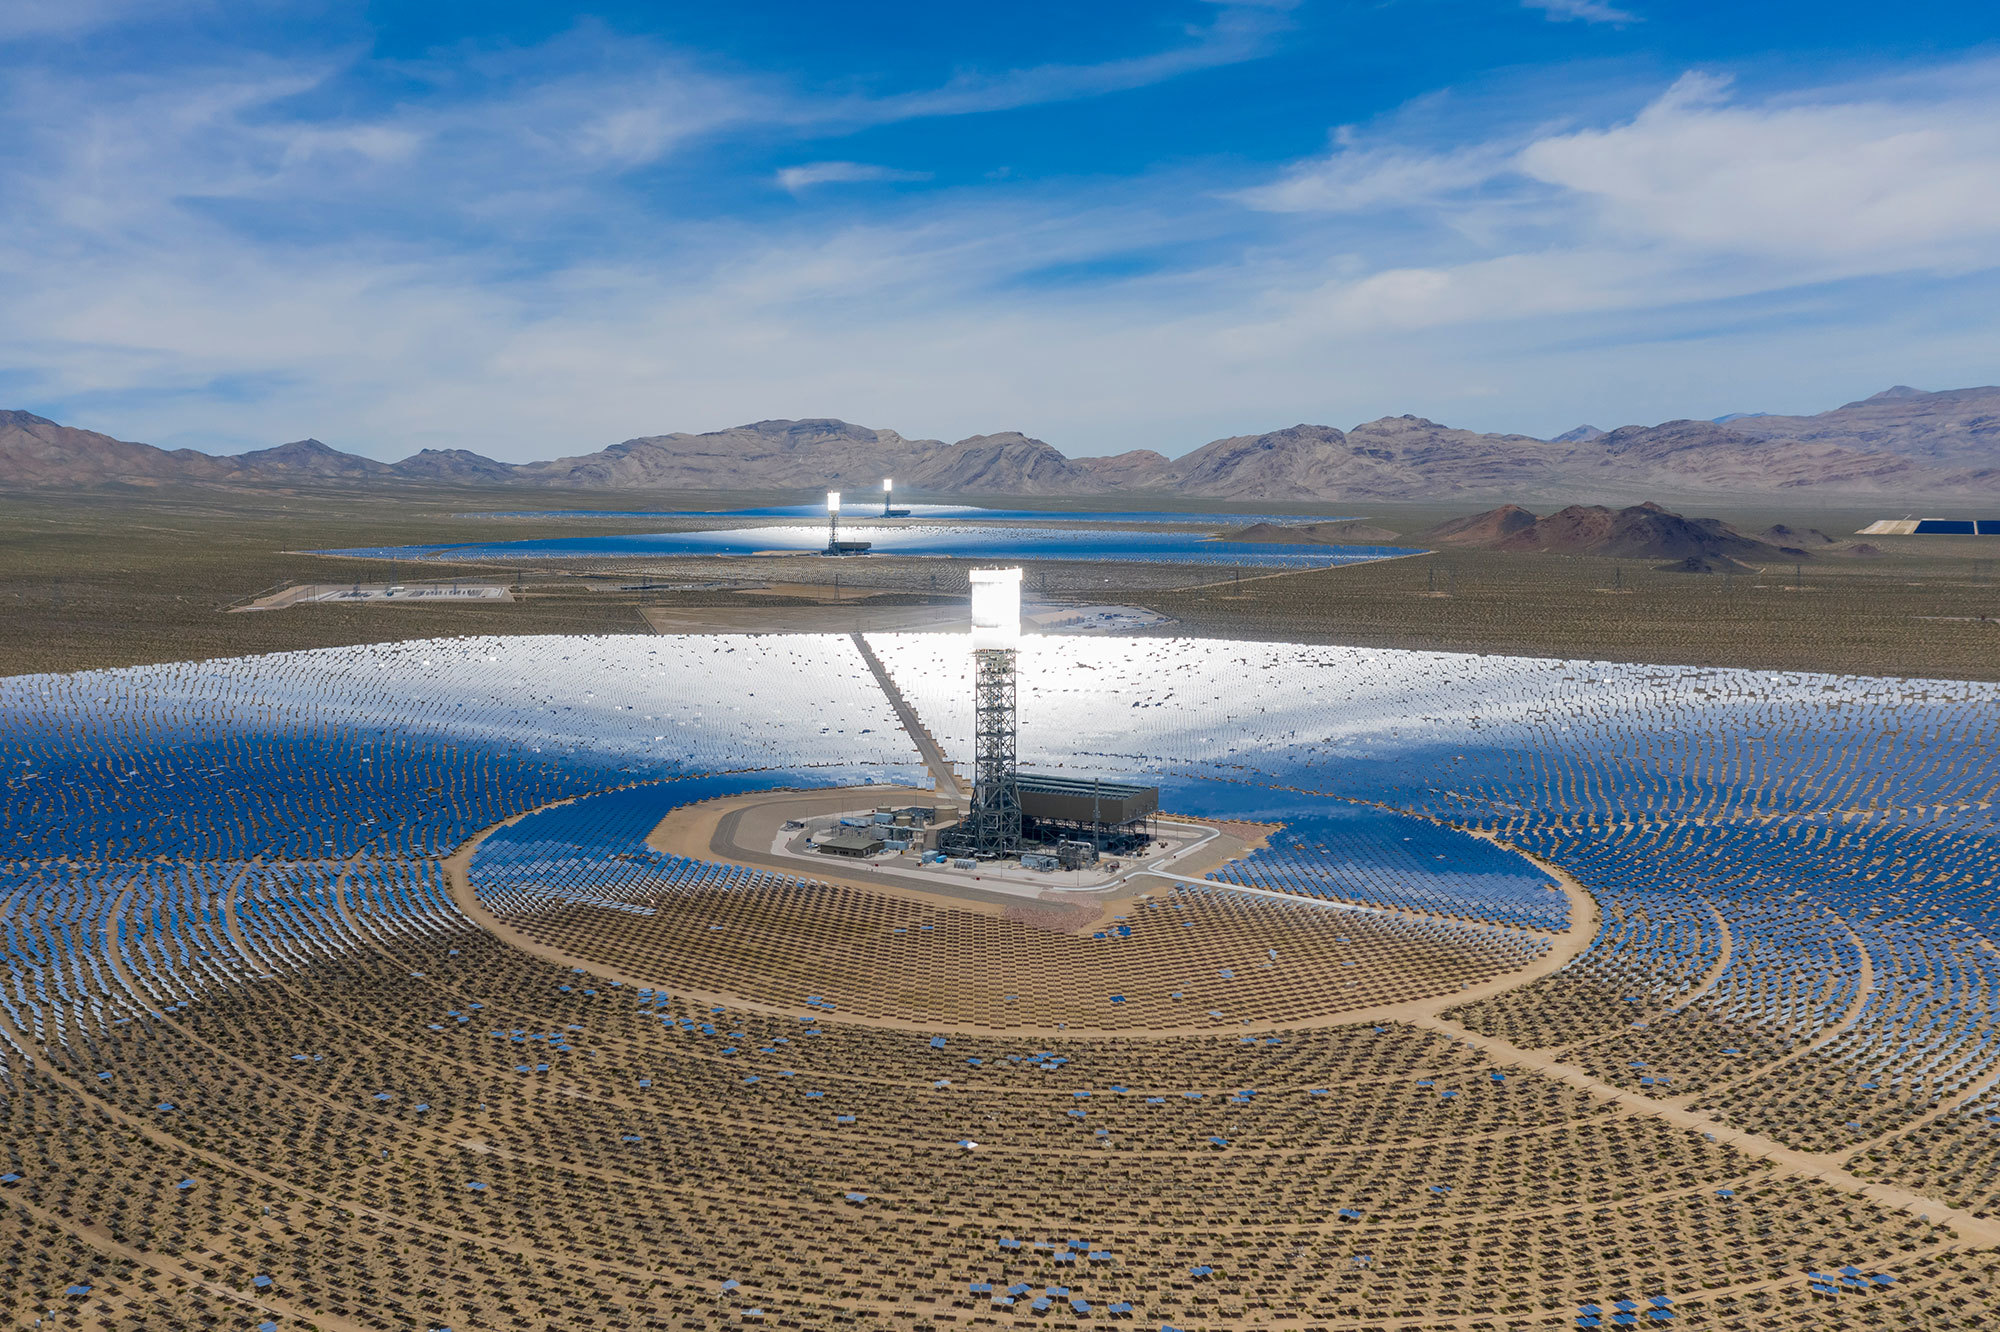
(766,951)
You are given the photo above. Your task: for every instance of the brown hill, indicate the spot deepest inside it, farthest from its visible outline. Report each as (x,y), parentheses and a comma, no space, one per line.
(1421,457)
(1325,534)
(819,452)
(1003,464)
(1778,534)
(1397,457)
(1295,461)
(1642,531)
(1138,469)
(308,458)
(458,465)
(802,454)
(1486,529)
(35,451)
(1704,456)
(1582,434)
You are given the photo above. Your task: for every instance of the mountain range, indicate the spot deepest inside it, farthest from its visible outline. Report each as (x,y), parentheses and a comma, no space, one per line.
(1901,442)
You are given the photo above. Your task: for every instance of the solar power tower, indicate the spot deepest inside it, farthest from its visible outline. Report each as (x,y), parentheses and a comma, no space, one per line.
(995,817)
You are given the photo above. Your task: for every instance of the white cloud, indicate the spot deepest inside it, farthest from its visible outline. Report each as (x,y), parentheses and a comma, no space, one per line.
(1825,183)
(372,143)
(1703,200)
(1850,181)
(1587,11)
(1353,179)
(1241,30)
(62,18)
(797,179)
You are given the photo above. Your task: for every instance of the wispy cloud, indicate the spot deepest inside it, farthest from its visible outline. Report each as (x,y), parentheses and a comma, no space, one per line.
(1706,210)
(1880,178)
(503,255)
(798,179)
(1586,11)
(61,18)
(1352,178)
(1240,30)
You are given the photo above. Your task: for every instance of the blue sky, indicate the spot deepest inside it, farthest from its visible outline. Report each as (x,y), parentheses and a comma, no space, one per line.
(533,230)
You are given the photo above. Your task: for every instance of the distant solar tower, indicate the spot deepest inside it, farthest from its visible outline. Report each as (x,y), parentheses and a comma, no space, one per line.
(888,492)
(833,521)
(995,817)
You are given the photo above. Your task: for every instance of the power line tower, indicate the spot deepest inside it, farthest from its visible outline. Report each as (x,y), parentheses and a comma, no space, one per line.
(995,817)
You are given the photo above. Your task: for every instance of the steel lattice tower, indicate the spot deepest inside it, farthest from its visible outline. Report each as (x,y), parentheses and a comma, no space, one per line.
(995,817)
(996,792)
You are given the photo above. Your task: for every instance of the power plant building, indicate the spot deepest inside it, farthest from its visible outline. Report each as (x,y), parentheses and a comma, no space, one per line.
(1111,816)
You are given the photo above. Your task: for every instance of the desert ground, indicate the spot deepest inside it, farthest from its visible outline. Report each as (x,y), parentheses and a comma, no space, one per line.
(101,580)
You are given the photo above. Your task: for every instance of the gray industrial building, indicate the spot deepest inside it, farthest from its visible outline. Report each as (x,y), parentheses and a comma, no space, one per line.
(1111,816)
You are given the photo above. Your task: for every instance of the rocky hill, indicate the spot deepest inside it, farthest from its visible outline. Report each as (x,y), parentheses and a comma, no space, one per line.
(35,451)
(307,459)
(1397,457)
(459,466)
(1347,532)
(1135,470)
(1486,530)
(763,454)
(1641,532)
(1582,434)
(1005,464)
(1955,430)
(1901,444)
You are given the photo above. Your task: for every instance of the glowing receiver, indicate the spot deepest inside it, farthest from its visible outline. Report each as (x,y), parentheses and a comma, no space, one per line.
(996,609)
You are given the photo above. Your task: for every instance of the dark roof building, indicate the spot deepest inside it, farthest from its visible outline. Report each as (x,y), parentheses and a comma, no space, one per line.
(1086,800)
(852,843)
